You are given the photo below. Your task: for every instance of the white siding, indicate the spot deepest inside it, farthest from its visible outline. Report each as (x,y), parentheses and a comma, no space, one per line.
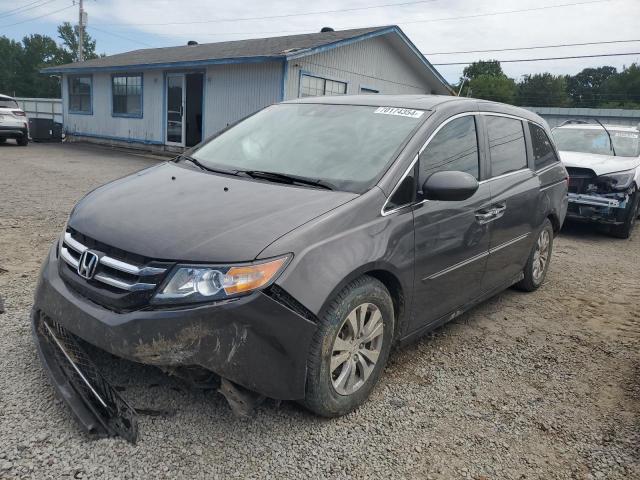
(380,62)
(102,123)
(234,91)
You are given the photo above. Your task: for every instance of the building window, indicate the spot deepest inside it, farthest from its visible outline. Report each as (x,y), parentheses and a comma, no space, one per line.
(126,93)
(80,87)
(316,87)
(368,91)
(506,145)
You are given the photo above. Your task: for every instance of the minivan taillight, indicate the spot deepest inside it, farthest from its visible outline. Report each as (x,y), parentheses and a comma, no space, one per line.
(19,113)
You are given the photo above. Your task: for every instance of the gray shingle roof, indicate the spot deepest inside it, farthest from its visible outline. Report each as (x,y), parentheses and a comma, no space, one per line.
(238,49)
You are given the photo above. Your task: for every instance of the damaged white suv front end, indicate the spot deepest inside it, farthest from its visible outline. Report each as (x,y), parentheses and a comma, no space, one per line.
(603,162)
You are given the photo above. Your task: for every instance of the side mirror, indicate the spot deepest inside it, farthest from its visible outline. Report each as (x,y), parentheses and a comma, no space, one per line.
(449,186)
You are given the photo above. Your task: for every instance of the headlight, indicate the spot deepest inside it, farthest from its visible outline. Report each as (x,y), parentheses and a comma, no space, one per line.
(619,180)
(196,283)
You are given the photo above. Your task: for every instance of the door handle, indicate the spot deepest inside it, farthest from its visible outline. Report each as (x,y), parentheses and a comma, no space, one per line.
(485,216)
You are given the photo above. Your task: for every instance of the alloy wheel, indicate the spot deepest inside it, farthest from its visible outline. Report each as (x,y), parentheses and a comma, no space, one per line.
(356,348)
(541,255)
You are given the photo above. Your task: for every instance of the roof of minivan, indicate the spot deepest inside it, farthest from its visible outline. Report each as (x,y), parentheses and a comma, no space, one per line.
(421,102)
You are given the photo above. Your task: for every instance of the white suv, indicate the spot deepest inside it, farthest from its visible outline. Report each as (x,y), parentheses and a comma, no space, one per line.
(13,121)
(603,162)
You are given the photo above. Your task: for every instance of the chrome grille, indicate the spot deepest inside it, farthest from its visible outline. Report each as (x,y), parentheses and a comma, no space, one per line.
(71,250)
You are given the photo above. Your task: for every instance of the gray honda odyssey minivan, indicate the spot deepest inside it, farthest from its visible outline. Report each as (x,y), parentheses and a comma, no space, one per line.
(287,255)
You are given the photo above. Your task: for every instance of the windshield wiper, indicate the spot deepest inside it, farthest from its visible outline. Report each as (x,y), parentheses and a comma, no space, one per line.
(286,178)
(204,167)
(609,135)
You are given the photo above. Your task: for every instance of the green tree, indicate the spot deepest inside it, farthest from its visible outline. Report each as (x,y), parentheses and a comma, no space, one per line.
(483,67)
(586,89)
(623,90)
(69,34)
(10,57)
(543,90)
(38,51)
(498,88)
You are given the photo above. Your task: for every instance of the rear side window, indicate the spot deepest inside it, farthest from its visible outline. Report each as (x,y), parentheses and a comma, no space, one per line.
(8,103)
(506,145)
(543,153)
(455,147)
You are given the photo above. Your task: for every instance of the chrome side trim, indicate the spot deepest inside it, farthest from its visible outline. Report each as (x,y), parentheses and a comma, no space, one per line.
(456,266)
(505,175)
(510,242)
(73,364)
(132,269)
(131,287)
(474,258)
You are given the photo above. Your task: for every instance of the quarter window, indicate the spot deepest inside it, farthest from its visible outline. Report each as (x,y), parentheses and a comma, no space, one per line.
(543,153)
(126,95)
(506,145)
(316,87)
(455,147)
(80,87)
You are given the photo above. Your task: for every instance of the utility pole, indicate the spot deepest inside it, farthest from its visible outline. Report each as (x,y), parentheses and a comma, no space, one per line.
(81,21)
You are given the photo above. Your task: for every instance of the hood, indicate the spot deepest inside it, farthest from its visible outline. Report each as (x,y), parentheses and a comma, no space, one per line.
(171,212)
(600,164)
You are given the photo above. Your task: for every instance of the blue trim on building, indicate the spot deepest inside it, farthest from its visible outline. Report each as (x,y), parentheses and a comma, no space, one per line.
(119,139)
(285,76)
(157,66)
(128,115)
(79,112)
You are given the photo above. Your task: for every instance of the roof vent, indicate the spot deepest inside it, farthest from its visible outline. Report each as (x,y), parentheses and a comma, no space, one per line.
(326,29)
(192,42)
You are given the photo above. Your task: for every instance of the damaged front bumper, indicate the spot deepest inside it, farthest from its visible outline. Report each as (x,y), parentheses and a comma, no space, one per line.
(601,208)
(256,341)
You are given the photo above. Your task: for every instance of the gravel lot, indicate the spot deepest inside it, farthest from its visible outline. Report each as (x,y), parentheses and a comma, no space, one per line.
(542,385)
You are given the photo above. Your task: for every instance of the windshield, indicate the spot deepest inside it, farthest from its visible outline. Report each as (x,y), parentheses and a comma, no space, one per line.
(8,103)
(346,146)
(589,140)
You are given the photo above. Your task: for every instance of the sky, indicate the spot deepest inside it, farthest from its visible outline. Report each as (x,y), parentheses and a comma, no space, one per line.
(434,26)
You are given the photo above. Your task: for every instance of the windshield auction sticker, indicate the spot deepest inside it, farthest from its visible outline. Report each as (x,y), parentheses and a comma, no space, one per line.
(401,112)
(626,135)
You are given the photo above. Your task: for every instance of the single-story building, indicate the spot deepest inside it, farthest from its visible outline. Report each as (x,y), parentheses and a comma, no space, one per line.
(171,98)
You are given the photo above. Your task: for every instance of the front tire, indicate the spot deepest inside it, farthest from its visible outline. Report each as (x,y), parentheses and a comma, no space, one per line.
(535,271)
(350,348)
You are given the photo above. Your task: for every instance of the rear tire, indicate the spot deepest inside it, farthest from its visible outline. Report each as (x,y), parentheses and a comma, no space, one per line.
(23,141)
(625,230)
(3,140)
(535,271)
(343,367)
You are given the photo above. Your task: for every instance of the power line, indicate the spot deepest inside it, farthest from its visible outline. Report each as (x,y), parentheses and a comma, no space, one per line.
(533,48)
(504,12)
(91,27)
(287,15)
(548,58)
(36,18)
(221,20)
(23,8)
